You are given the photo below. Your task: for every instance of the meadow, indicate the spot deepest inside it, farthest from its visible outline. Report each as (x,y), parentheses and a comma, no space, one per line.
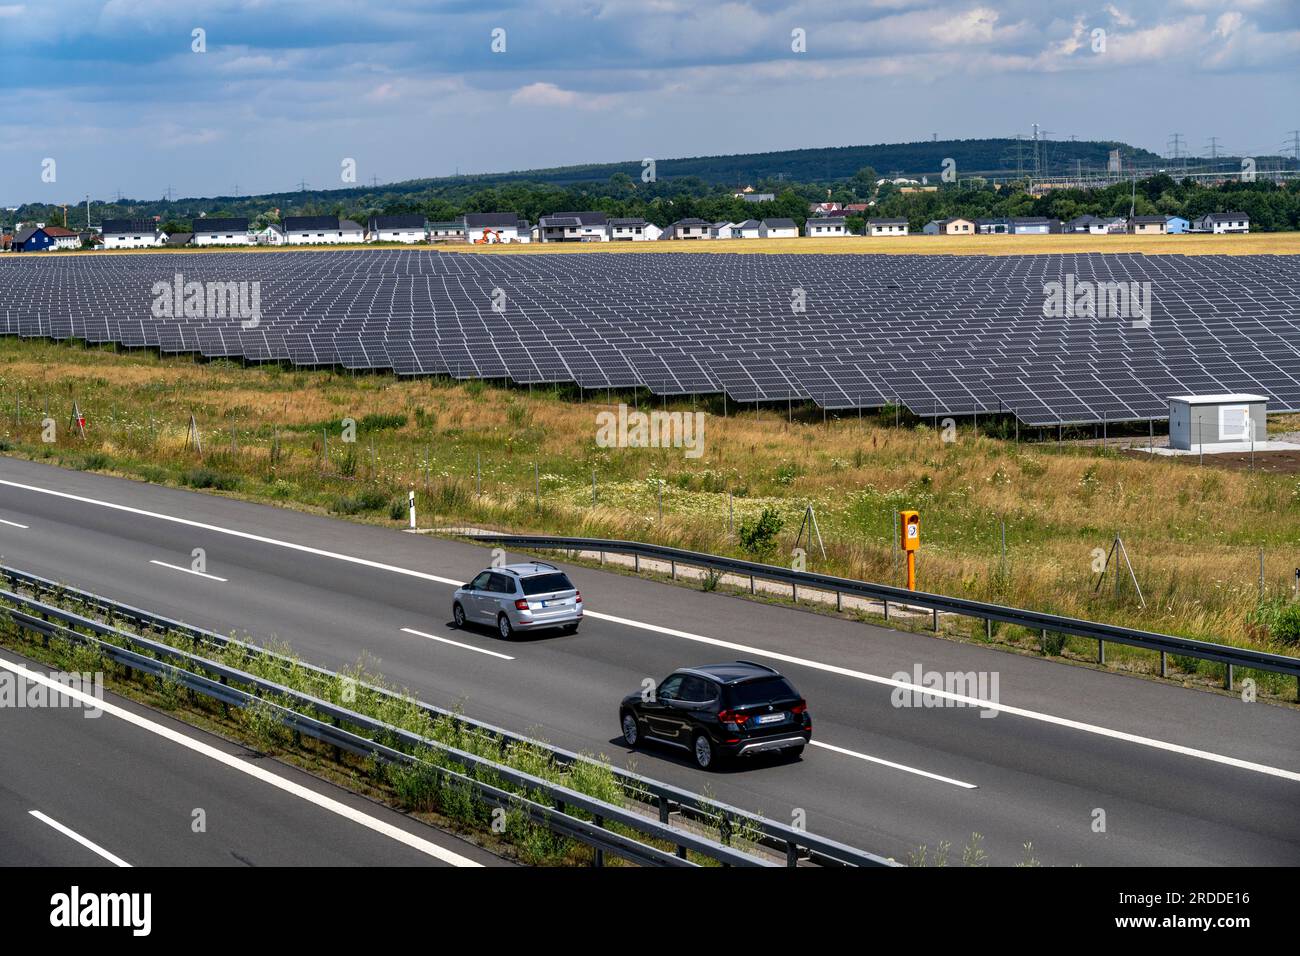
(518,459)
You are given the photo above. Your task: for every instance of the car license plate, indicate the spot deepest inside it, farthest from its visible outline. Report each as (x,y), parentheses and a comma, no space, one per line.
(771,718)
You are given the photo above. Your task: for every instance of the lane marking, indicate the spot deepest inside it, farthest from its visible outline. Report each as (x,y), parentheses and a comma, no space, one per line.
(78,838)
(698,638)
(258,773)
(14,524)
(897,766)
(177,567)
(468,647)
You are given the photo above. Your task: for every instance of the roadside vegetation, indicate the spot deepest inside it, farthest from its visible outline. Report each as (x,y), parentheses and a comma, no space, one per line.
(514,459)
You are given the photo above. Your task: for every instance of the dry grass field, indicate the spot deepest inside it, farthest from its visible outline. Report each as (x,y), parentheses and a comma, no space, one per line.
(470,451)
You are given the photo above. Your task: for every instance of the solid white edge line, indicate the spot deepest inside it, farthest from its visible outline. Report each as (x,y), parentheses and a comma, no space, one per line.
(897,766)
(258,773)
(468,647)
(686,635)
(14,524)
(177,567)
(78,838)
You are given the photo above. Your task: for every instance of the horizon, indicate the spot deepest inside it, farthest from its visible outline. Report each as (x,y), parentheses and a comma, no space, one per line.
(266,100)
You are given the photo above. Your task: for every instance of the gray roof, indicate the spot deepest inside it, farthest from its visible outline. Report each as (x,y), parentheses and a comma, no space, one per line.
(397,222)
(311,223)
(179,239)
(887,222)
(208,226)
(779,223)
(747,224)
(1155,219)
(588,217)
(1225,216)
(691,222)
(830,220)
(120,227)
(560,220)
(481,220)
(347,225)
(627,222)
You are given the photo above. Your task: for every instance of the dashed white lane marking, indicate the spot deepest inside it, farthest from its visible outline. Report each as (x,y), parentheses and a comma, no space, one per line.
(897,766)
(258,773)
(78,838)
(468,647)
(13,524)
(177,567)
(700,638)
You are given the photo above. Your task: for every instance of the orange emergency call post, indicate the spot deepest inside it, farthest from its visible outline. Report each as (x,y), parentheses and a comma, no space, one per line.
(909,539)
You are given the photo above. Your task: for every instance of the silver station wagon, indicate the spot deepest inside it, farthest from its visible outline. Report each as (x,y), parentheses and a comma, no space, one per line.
(519,597)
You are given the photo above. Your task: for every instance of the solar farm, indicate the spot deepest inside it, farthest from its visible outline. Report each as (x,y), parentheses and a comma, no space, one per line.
(940,335)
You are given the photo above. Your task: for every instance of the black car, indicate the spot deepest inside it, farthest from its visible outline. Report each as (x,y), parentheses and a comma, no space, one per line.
(719,711)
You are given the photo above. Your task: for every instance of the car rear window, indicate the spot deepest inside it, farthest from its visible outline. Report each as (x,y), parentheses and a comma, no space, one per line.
(545,583)
(760,691)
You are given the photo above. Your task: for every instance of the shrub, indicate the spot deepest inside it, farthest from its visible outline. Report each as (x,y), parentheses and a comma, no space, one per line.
(378,422)
(758,538)
(207,478)
(366,500)
(1051,643)
(1279,618)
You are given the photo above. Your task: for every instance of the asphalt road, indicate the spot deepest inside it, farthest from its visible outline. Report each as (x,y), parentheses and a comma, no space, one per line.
(1091,768)
(131,787)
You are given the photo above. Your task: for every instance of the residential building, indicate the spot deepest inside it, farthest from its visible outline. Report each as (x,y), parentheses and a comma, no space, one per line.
(585,226)
(778,229)
(822,226)
(949,227)
(887,227)
(487,227)
(222,232)
(720,230)
(627,230)
(688,229)
(178,240)
(749,229)
(451,231)
(756,197)
(824,208)
(993,227)
(272,235)
(321,230)
(1220,222)
(404,228)
(1175,225)
(1093,225)
(1147,225)
(131,234)
(1031,225)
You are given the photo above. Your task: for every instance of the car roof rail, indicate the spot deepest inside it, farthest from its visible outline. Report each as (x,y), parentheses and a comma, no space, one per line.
(544,564)
(770,670)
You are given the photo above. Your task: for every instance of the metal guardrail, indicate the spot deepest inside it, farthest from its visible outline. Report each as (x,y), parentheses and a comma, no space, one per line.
(1165,644)
(152,657)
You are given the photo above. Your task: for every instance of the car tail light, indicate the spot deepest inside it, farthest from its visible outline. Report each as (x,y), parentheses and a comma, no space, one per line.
(577,597)
(732,719)
(800,707)
(521,604)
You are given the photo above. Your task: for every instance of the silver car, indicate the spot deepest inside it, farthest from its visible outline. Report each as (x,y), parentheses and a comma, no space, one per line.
(519,597)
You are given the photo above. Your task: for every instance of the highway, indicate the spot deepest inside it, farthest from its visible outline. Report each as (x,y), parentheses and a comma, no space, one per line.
(132,787)
(1091,768)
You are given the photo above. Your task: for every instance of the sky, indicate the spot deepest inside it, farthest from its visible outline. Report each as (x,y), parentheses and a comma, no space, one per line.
(109,95)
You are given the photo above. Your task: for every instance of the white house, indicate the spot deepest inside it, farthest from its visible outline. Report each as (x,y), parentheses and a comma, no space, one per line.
(482,228)
(131,234)
(886,227)
(749,229)
(321,230)
(826,226)
(586,226)
(272,235)
(410,228)
(222,232)
(1219,222)
(653,232)
(1148,225)
(720,230)
(628,230)
(778,229)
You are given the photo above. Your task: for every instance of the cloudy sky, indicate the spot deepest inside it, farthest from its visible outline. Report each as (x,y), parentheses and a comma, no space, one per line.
(114,92)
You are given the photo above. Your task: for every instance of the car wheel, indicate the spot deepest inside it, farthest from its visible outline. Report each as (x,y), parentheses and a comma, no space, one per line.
(458,614)
(703,751)
(631,730)
(504,627)
(792,753)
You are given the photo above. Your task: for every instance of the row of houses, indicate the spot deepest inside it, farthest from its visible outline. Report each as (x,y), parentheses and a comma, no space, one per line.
(584,226)
(1215,222)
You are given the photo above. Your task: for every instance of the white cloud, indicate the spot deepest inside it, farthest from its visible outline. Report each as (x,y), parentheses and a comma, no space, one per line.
(548,95)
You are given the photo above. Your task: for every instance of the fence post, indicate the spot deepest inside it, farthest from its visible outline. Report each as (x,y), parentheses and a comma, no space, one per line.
(1101,652)
(1227,678)
(1164,664)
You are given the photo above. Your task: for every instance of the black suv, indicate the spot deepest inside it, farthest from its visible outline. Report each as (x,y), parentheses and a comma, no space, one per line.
(719,711)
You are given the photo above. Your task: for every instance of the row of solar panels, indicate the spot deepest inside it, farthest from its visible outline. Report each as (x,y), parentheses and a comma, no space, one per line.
(933,339)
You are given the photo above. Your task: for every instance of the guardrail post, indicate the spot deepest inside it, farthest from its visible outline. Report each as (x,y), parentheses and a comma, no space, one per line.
(1164,664)
(885,602)
(598,859)
(663,809)
(602,559)
(1227,679)
(1101,652)
(791,853)
(225,707)
(988,628)
(636,563)
(751,584)
(794,593)
(673,569)
(839,601)
(936,620)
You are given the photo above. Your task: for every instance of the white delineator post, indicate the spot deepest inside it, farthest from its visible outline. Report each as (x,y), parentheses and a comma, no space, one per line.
(412,500)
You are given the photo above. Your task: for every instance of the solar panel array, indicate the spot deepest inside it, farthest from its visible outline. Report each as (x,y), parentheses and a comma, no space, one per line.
(942,335)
